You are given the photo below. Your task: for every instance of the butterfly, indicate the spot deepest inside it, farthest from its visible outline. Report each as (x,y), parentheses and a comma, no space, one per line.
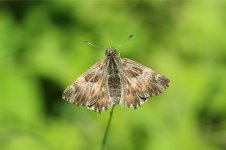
(115,80)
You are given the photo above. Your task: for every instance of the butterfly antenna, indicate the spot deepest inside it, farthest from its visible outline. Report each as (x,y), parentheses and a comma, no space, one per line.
(88,42)
(125,41)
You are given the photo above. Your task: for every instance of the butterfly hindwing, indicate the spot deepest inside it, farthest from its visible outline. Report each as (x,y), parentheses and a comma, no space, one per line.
(88,90)
(140,82)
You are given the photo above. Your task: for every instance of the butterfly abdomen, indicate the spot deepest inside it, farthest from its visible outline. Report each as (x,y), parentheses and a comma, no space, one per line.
(114,87)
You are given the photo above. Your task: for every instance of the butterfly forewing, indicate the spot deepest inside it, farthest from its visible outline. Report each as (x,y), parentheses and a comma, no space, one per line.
(88,90)
(140,82)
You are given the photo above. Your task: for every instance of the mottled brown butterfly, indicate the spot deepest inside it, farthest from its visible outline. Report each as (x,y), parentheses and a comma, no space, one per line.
(115,80)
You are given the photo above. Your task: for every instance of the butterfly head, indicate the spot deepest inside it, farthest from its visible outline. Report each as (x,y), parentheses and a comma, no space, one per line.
(110,51)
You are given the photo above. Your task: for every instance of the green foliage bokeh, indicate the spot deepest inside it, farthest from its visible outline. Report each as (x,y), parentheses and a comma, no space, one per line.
(42,52)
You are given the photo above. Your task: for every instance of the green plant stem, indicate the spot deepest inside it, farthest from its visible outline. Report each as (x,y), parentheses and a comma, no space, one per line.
(107,128)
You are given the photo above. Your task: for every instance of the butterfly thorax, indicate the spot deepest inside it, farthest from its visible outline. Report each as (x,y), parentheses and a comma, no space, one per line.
(114,80)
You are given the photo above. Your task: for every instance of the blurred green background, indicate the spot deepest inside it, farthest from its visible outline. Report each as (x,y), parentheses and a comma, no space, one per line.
(42,52)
